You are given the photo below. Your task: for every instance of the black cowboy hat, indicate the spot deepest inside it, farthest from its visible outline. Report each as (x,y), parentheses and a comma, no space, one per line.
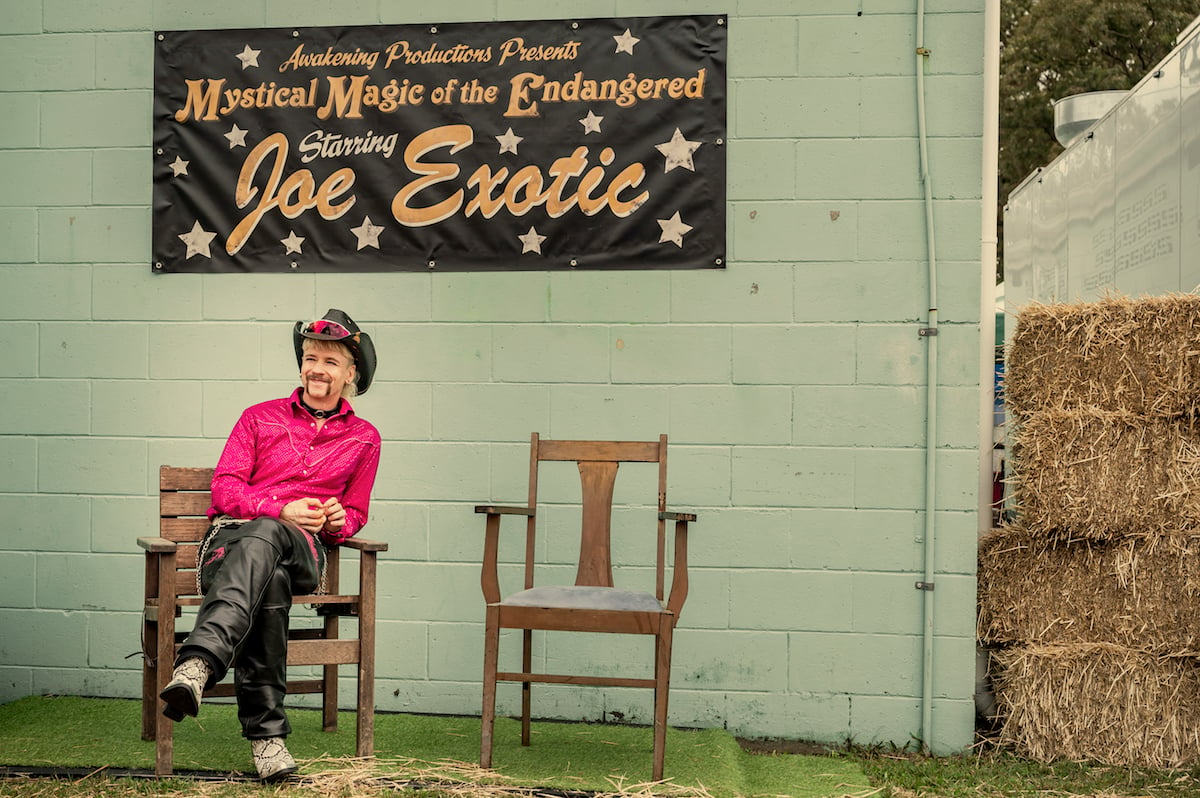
(335,325)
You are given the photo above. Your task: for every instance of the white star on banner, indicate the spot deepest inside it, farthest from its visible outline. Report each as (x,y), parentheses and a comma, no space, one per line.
(248,57)
(237,137)
(626,41)
(197,240)
(367,233)
(673,230)
(678,152)
(292,243)
(531,242)
(591,123)
(179,166)
(509,141)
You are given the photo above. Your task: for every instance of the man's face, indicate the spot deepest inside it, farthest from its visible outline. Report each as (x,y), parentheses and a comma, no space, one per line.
(324,372)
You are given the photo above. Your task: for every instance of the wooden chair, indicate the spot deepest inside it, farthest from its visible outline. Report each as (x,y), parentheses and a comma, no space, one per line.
(184,498)
(592,604)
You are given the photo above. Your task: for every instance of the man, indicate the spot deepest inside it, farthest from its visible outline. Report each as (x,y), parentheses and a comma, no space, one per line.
(295,475)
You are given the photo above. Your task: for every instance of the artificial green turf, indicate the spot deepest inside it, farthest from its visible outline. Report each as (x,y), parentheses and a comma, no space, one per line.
(67,731)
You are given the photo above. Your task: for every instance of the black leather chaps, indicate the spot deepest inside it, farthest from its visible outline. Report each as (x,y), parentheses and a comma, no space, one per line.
(249,574)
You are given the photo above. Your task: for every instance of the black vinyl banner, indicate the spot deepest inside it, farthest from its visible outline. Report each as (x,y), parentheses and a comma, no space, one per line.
(593,143)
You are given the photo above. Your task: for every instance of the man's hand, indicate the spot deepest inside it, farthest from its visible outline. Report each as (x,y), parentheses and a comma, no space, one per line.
(335,515)
(308,514)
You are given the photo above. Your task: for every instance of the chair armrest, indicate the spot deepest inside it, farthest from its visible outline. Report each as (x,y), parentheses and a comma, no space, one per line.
(496,509)
(156,545)
(679,575)
(364,544)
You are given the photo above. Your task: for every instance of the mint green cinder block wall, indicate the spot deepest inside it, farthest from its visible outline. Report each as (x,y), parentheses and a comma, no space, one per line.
(791,383)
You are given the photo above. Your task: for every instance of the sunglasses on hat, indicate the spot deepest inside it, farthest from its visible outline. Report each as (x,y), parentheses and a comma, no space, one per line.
(325,327)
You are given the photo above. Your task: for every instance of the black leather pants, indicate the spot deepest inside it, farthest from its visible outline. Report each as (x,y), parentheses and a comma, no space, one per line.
(249,575)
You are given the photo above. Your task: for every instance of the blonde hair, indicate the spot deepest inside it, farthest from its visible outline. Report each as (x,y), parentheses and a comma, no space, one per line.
(351,388)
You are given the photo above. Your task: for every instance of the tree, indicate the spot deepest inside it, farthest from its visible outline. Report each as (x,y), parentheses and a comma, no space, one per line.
(1050,49)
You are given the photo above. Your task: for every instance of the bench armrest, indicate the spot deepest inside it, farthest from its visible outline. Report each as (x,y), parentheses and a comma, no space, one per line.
(364,544)
(496,509)
(677,516)
(157,545)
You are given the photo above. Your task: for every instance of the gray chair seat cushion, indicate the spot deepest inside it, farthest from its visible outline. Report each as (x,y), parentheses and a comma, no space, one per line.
(585,597)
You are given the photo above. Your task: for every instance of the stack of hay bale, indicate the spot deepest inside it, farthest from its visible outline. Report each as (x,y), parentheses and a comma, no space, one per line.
(1091,598)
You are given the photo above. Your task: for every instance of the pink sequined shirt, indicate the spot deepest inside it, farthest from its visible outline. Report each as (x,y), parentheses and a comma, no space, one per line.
(276,455)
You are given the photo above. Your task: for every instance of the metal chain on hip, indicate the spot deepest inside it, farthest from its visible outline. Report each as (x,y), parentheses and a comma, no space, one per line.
(218,523)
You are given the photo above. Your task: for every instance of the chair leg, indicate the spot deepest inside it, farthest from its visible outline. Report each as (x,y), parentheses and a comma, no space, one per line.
(526,692)
(366,657)
(662,678)
(491,649)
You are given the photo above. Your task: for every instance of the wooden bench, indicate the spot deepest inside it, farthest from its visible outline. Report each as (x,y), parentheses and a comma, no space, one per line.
(184,498)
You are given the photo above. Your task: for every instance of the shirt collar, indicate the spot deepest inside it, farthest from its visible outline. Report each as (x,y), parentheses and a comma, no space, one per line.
(344,408)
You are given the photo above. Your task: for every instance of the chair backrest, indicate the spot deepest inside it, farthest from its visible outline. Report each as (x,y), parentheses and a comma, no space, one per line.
(184,496)
(598,462)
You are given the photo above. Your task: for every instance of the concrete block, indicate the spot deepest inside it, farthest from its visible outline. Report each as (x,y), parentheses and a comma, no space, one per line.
(92,465)
(728,660)
(456,651)
(194,452)
(404,527)
(401,411)
(45,292)
(94,235)
(793,355)
(878,664)
(431,591)
(890,604)
(854,44)
(108,639)
(803,107)
(28,168)
(118,521)
(788,232)
(762,48)
(89,581)
(608,412)
(123,292)
(891,354)
(741,293)
(401,12)
(375,298)
(434,471)
(762,169)
(555,9)
(436,352)
(402,650)
(90,682)
(47,523)
(116,118)
(159,408)
(504,296)
(899,229)
(668,7)
(19,227)
(19,572)
(739,414)
(48,63)
(43,638)
(882,719)
(559,353)
(15,683)
(671,354)
(856,540)
(895,478)
(19,114)
(867,292)
(859,415)
(791,600)
(18,463)
(697,477)
(740,537)
(93,350)
(280,13)
(793,477)
(20,340)
(121,177)
(489,411)
(616,296)
(861,168)
(65,16)
(820,717)
(46,407)
(184,15)
(186,351)
(124,61)
(238,297)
